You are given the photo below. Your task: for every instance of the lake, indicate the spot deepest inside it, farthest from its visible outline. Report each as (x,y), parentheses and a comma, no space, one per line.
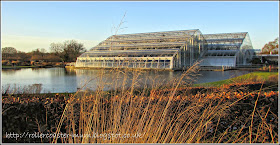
(59,80)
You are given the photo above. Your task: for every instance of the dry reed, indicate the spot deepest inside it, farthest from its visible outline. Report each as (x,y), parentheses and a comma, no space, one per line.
(137,114)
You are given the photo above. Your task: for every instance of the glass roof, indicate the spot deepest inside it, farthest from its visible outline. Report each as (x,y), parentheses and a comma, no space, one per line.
(168,39)
(156,34)
(226,36)
(228,41)
(141,45)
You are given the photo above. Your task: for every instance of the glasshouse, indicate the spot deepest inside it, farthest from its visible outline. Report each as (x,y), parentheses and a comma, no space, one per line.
(228,49)
(172,50)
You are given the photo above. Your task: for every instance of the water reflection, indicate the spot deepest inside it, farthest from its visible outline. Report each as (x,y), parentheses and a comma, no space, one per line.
(109,79)
(68,80)
(9,71)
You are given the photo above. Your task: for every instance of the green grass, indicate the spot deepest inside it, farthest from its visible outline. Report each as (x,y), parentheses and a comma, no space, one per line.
(260,76)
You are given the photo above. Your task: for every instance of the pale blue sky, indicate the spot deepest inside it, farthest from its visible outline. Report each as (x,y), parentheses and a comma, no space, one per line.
(30,25)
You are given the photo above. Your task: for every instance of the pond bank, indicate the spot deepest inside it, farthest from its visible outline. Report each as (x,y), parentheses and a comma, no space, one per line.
(20,67)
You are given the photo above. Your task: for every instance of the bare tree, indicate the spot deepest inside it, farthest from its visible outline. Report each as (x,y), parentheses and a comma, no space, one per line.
(43,50)
(56,48)
(74,46)
(116,29)
(67,51)
(71,50)
(119,27)
(9,50)
(271,47)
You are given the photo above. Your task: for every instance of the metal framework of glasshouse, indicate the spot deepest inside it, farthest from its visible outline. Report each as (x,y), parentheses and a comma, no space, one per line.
(157,50)
(228,49)
(169,50)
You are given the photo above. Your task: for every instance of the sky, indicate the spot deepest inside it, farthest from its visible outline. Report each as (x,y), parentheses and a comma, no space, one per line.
(27,26)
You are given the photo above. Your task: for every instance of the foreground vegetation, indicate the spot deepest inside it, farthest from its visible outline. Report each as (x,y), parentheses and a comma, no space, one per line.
(233,113)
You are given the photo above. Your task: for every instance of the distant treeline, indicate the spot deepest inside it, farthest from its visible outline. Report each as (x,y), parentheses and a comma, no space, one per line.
(59,53)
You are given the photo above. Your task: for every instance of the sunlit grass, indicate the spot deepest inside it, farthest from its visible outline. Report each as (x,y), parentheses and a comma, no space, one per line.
(170,116)
(254,76)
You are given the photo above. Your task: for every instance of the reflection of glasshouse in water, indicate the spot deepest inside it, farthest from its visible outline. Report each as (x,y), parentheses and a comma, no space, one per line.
(168,50)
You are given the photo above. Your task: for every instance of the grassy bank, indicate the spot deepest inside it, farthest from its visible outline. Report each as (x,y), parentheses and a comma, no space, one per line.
(254,76)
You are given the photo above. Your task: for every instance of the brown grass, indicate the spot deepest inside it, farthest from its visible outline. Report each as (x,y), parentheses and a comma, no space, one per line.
(133,115)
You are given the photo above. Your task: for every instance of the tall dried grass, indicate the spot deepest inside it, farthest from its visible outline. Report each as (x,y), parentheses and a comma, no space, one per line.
(133,114)
(27,89)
